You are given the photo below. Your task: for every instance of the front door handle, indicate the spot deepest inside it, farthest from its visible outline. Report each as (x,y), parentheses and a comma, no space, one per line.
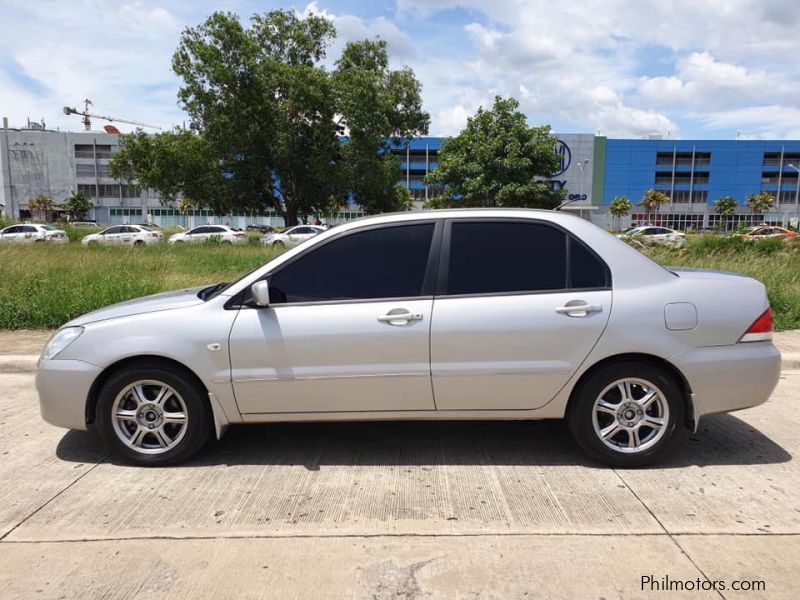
(578,310)
(399,316)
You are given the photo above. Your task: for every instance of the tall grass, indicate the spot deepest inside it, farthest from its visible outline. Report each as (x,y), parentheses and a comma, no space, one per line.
(45,286)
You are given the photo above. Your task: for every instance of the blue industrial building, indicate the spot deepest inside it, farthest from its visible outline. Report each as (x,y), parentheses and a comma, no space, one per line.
(696,173)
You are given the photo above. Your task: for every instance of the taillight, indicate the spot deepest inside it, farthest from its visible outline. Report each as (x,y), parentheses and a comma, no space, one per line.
(761,329)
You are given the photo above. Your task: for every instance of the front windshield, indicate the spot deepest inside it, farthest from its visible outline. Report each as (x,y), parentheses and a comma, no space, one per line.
(49,228)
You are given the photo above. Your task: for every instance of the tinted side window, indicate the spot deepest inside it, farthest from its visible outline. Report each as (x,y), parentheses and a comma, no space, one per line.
(113,230)
(379,263)
(506,257)
(15,229)
(586,270)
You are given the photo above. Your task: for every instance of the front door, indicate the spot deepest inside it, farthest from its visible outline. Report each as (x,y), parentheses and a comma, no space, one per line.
(523,305)
(347,329)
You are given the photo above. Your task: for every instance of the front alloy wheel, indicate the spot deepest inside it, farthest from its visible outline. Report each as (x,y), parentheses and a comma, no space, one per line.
(150,417)
(153,414)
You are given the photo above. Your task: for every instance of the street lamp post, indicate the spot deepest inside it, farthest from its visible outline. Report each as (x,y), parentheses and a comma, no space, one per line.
(582,166)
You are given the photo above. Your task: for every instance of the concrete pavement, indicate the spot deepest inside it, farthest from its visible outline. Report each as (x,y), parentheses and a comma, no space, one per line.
(399,510)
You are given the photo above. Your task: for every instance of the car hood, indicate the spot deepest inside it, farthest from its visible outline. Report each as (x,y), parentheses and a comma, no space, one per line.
(146,304)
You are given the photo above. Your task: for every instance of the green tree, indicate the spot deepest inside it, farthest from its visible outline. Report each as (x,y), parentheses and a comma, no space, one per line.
(379,107)
(267,119)
(77,206)
(725,207)
(495,159)
(41,207)
(761,203)
(653,200)
(619,207)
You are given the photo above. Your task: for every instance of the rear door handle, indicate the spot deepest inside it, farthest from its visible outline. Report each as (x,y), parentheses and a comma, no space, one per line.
(578,310)
(399,316)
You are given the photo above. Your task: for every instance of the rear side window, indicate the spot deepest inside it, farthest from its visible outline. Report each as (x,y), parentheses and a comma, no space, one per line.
(497,257)
(379,263)
(586,270)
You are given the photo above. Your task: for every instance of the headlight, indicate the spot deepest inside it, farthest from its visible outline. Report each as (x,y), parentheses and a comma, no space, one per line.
(61,340)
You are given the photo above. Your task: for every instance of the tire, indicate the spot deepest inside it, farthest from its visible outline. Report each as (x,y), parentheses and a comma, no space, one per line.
(138,243)
(93,244)
(152,434)
(607,426)
(278,245)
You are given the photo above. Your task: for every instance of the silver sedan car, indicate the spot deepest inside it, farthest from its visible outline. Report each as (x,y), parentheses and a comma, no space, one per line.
(406,317)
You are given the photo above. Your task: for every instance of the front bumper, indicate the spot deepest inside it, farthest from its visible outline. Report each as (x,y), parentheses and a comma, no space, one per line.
(728,378)
(63,387)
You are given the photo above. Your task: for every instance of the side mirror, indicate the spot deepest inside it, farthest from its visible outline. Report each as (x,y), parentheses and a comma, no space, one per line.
(260,292)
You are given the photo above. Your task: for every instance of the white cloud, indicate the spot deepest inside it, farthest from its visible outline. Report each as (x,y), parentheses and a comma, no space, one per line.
(353,28)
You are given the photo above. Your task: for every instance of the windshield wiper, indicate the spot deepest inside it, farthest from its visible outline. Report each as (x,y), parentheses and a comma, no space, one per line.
(209,291)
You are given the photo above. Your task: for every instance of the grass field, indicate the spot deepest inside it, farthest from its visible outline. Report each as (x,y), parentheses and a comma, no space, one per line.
(44,286)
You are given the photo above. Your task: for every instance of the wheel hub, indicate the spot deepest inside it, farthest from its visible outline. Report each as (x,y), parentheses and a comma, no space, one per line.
(150,416)
(629,414)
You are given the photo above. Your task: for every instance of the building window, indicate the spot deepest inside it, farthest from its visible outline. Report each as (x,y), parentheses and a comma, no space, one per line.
(679,221)
(84,170)
(682,196)
(84,151)
(103,151)
(88,190)
(681,179)
(125,212)
(773,159)
(108,191)
(787,196)
(131,191)
(774,177)
(683,159)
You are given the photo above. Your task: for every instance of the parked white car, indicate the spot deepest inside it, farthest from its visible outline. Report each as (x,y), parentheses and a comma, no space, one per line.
(32,232)
(225,234)
(292,236)
(124,235)
(650,235)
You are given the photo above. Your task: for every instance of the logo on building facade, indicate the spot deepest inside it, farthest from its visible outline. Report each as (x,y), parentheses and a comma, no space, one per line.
(565,155)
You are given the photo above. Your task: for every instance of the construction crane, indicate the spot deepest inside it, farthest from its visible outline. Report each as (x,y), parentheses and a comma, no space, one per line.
(88,116)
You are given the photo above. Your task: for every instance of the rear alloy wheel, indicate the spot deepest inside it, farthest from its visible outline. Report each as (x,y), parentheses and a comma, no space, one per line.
(138,243)
(153,417)
(627,414)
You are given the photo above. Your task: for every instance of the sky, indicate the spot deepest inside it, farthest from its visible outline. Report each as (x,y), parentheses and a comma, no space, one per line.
(704,69)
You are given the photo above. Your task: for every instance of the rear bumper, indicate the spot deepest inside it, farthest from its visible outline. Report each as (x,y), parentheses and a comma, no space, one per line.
(63,387)
(728,378)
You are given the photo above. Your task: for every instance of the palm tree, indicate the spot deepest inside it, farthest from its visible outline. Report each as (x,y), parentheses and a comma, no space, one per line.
(41,206)
(620,207)
(761,203)
(725,207)
(653,200)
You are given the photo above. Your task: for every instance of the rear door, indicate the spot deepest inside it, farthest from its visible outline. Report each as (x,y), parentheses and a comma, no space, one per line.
(513,317)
